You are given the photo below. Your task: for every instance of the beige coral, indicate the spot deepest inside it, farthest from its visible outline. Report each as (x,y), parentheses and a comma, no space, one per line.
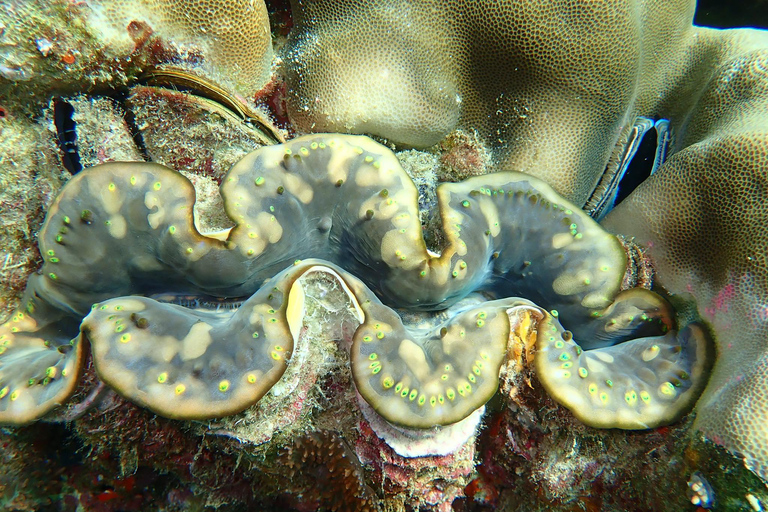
(703,217)
(231,38)
(550,85)
(61,46)
(555,88)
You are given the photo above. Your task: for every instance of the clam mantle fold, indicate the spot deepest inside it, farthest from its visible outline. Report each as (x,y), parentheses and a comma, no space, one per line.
(121,230)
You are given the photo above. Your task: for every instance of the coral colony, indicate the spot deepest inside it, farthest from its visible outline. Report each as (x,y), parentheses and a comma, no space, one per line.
(376,327)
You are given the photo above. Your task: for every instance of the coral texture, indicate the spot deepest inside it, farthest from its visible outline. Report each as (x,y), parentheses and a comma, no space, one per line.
(712,246)
(232,37)
(64,46)
(322,461)
(564,91)
(552,86)
(372,398)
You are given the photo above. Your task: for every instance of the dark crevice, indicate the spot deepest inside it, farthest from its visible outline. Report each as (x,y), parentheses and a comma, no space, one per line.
(130,121)
(66,134)
(639,168)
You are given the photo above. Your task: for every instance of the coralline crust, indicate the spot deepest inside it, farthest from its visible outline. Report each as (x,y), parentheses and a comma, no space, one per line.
(28,185)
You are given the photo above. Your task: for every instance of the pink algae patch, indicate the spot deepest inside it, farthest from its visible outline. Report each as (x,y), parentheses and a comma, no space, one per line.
(721,302)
